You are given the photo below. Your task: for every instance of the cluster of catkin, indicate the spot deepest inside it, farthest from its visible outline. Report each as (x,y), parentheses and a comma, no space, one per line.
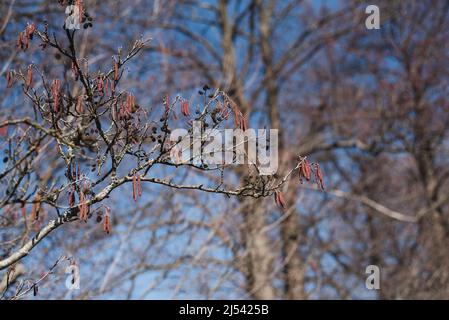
(56,94)
(127,108)
(23,40)
(305,170)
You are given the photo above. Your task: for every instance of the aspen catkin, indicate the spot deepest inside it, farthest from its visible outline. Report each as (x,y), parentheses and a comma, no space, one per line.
(35,209)
(134,187)
(319,176)
(29,80)
(107,222)
(116,70)
(79,105)
(279,199)
(139,185)
(305,170)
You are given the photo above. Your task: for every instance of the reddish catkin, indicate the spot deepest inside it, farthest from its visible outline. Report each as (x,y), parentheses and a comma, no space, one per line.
(300,172)
(308,174)
(121,112)
(182,108)
(30,30)
(80,5)
(114,113)
(83,207)
(86,210)
(237,115)
(116,70)
(305,170)
(139,185)
(26,41)
(56,86)
(224,111)
(79,105)
(74,172)
(243,124)
(319,176)
(75,70)
(130,103)
(29,79)
(107,222)
(100,85)
(35,208)
(9,79)
(124,113)
(279,199)
(106,87)
(134,187)
(185,108)
(23,41)
(3,131)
